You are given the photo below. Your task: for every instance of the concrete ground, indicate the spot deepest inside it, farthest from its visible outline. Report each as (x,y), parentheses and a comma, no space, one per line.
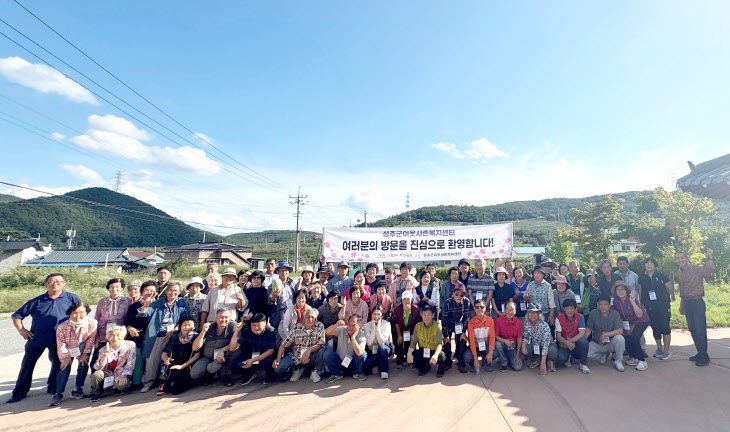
(672,395)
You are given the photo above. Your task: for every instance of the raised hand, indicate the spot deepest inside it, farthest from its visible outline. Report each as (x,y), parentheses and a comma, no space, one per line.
(205,328)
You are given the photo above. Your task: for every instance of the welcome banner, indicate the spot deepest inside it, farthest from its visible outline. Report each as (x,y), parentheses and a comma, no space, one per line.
(417,243)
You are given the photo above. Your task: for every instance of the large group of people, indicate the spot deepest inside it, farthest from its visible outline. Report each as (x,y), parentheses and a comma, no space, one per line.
(169,335)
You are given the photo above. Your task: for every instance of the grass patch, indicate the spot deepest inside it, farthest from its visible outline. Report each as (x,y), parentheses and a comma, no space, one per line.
(717,299)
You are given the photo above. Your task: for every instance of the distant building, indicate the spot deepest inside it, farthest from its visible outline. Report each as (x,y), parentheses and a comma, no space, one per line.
(117,258)
(709,179)
(219,253)
(152,258)
(14,253)
(624,246)
(258,264)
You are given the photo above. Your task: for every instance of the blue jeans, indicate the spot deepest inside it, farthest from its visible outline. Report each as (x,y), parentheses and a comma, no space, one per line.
(506,356)
(81,371)
(381,355)
(694,310)
(469,357)
(333,362)
(580,352)
(287,363)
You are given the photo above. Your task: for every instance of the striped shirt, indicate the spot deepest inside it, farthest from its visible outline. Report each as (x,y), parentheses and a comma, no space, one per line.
(691,280)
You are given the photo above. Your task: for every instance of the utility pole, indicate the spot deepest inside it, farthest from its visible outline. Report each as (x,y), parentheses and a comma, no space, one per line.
(118,181)
(205,228)
(408,206)
(365,216)
(70,235)
(299,200)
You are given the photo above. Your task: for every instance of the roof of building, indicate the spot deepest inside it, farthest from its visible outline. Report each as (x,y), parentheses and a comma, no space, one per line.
(68,257)
(213,246)
(709,179)
(11,245)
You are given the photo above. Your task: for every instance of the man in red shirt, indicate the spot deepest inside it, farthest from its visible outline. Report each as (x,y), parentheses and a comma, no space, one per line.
(508,334)
(691,291)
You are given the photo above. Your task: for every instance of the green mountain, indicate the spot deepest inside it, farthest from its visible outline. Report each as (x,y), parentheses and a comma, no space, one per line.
(269,236)
(95,215)
(8,198)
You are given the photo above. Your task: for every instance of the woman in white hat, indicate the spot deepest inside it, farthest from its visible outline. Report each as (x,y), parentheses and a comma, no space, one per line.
(305,282)
(405,317)
(195,299)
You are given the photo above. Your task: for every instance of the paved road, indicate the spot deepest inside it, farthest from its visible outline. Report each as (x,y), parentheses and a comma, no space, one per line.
(671,395)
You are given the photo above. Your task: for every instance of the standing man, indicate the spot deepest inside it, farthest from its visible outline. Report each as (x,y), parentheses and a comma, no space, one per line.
(631,278)
(163,277)
(691,290)
(576,279)
(606,277)
(341,282)
(435,282)
(269,276)
(464,274)
(481,284)
(48,311)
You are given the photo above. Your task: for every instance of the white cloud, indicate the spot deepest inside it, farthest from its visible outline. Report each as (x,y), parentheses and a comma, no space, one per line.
(27,194)
(86,174)
(374,202)
(478,151)
(117,136)
(44,79)
(204,139)
(58,136)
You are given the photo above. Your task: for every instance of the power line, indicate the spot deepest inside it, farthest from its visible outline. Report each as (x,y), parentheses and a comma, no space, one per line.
(143,98)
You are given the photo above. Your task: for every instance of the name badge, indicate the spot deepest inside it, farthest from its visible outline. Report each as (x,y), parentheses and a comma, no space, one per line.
(406,336)
(652,295)
(427,353)
(478,296)
(523,306)
(606,340)
(254,355)
(169,328)
(577,298)
(301,354)
(611,300)
(346,361)
(482,345)
(536,349)
(74,352)
(289,303)
(110,325)
(502,307)
(627,326)
(216,353)
(458,329)
(108,381)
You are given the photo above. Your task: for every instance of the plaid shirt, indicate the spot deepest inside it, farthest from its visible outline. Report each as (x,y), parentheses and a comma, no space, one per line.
(456,313)
(690,278)
(67,337)
(302,339)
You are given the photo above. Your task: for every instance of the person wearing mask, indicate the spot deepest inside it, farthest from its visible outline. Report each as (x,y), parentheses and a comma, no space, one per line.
(634,320)
(380,342)
(426,348)
(508,338)
(213,340)
(503,292)
(137,326)
(657,293)
(405,317)
(178,357)
(304,343)
(254,348)
(115,365)
(456,316)
(48,310)
(481,339)
(75,338)
(538,347)
(350,353)
(341,282)
(691,291)
(570,329)
(164,315)
(226,296)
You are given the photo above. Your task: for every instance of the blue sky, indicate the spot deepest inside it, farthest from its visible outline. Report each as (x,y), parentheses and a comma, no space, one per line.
(454,103)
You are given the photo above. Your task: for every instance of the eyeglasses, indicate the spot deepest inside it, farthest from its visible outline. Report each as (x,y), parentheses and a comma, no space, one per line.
(480,307)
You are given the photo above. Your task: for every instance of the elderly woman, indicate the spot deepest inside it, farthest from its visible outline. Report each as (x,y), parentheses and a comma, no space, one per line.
(179,356)
(519,284)
(332,311)
(405,317)
(133,290)
(213,280)
(110,312)
(540,293)
(405,282)
(561,293)
(115,365)
(256,294)
(164,315)
(307,278)
(317,295)
(195,299)
(426,293)
(294,315)
(137,325)
(635,320)
(380,298)
(538,346)
(356,305)
(358,283)
(75,338)
(225,296)
(503,292)
(214,340)
(243,279)
(380,341)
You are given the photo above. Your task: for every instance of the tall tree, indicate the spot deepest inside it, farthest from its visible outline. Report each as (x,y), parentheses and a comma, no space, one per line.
(595,228)
(561,248)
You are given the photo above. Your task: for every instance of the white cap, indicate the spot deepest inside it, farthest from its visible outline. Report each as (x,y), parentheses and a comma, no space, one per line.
(407,294)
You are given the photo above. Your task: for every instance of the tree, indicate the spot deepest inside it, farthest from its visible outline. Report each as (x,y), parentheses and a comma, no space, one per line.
(718,239)
(595,227)
(682,211)
(561,248)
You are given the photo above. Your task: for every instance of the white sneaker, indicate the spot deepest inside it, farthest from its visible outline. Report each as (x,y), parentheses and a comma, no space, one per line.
(604,358)
(642,365)
(314,376)
(584,369)
(296,374)
(383,375)
(632,362)
(619,365)
(147,387)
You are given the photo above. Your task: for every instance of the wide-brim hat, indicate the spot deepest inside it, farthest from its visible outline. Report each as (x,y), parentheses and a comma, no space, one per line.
(230,271)
(194,280)
(284,264)
(324,269)
(618,284)
(532,307)
(561,279)
(500,270)
(538,268)
(308,269)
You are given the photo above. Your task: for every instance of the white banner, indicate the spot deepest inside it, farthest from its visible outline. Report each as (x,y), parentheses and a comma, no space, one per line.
(417,243)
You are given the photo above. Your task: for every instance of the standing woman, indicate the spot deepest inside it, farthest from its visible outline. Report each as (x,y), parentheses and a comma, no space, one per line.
(356,305)
(656,294)
(358,282)
(540,293)
(425,292)
(110,312)
(243,276)
(137,325)
(503,292)
(563,269)
(294,314)
(75,338)
(195,298)
(305,282)
(519,284)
